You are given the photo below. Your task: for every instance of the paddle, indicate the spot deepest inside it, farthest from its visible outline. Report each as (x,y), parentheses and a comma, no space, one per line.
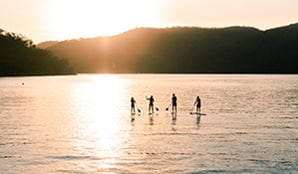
(167,108)
(138,109)
(191,110)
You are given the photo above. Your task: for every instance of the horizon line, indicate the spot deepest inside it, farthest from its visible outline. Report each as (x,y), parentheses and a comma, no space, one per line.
(166,27)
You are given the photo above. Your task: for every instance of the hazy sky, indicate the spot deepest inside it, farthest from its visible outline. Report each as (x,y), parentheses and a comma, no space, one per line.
(43,20)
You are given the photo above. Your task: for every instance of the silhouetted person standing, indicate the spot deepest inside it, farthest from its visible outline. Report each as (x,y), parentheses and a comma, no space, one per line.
(133,106)
(151,104)
(198,104)
(174,103)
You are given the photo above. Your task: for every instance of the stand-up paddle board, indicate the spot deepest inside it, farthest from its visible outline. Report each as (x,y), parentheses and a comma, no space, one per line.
(197,113)
(132,119)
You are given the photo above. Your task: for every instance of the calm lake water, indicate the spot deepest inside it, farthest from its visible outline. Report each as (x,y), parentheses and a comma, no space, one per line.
(82,124)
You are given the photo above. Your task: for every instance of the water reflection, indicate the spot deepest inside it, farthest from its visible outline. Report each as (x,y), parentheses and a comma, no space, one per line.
(132,117)
(98,104)
(198,121)
(82,124)
(174,118)
(151,120)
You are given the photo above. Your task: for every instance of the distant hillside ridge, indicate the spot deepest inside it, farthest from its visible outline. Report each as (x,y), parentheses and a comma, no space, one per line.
(186,50)
(46,44)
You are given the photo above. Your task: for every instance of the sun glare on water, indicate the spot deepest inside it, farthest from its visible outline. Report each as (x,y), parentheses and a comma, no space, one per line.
(98,106)
(88,18)
(101,97)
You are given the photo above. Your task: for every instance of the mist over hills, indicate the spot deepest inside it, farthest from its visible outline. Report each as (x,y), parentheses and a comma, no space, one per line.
(185,50)
(46,44)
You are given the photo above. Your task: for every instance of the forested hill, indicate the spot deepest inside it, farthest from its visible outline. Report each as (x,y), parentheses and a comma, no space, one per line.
(186,50)
(20,57)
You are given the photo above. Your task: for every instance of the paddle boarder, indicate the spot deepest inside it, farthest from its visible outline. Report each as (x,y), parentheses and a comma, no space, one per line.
(174,104)
(198,104)
(151,104)
(133,106)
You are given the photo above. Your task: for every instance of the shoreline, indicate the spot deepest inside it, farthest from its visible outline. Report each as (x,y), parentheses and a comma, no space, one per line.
(36,74)
(149,73)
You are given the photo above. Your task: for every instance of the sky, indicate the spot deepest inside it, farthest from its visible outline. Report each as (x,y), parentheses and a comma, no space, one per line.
(43,20)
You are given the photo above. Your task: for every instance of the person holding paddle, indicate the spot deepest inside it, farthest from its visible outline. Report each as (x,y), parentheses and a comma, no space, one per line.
(198,104)
(174,104)
(133,106)
(151,104)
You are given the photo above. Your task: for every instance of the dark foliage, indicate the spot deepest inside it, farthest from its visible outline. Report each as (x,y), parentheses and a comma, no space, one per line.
(186,50)
(19,56)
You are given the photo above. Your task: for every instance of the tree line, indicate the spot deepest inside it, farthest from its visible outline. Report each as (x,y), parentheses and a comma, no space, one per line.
(19,57)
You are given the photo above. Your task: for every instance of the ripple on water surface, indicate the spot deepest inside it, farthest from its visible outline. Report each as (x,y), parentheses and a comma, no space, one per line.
(81,124)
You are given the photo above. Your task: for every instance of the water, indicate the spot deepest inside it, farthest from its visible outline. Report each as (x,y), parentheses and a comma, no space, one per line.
(82,124)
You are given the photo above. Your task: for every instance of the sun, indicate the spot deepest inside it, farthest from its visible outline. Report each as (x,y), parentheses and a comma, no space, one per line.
(88,18)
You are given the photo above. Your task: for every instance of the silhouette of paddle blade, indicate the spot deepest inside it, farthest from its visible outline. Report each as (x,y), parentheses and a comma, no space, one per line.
(156,109)
(139,110)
